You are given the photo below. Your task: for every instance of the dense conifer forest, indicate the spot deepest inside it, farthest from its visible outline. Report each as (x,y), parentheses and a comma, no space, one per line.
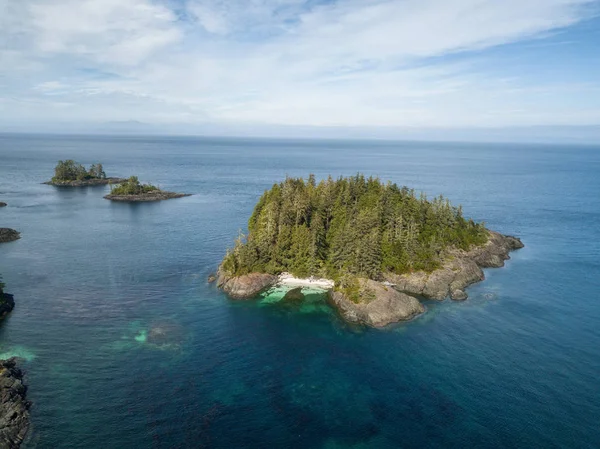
(70,170)
(350,226)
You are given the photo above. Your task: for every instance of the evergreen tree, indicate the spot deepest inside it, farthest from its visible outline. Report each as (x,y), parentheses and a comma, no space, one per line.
(352,225)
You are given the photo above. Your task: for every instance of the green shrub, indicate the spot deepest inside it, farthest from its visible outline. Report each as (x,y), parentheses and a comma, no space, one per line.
(133,187)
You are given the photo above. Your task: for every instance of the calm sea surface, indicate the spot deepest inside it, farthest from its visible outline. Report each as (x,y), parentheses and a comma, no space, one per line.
(517,365)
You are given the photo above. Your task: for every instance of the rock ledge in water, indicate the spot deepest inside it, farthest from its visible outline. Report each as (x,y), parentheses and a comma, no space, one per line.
(7,304)
(151,196)
(387,306)
(8,235)
(460,269)
(246,286)
(14,407)
(86,182)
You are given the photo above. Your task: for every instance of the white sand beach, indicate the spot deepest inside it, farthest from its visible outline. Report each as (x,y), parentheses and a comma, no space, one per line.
(290,281)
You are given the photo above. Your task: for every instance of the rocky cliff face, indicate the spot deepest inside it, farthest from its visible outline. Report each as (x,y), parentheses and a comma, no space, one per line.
(8,235)
(394,299)
(386,306)
(460,269)
(14,407)
(246,286)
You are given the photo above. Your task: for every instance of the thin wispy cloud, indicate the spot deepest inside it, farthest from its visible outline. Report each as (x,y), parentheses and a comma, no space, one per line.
(401,63)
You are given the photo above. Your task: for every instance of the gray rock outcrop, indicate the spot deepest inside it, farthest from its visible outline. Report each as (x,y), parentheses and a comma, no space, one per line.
(87,182)
(459,270)
(144,197)
(8,235)
(386,306)
(14,407)
(246,286)
(7,304)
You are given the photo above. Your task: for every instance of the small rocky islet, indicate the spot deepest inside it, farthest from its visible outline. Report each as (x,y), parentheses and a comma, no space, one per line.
(70,173)
(133,191)
(384,246)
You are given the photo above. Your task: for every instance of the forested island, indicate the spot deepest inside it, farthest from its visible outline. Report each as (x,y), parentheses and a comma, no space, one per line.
(72,174)
(382,245)
(132,190)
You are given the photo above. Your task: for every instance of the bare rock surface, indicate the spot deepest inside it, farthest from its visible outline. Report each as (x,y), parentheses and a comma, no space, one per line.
(386,306)
(151,196)
(459,270)
(86,182)
(246,286)
(8,235)
(7,304)
(393,298)
(14,407)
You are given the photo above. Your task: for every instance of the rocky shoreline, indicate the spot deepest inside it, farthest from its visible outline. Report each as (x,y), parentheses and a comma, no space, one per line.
(7,304)
(393,298)
(9,235)
(86,182)
(150,196)
(14,407)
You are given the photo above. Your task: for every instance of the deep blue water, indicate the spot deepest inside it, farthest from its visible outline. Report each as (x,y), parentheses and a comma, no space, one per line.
(516,365)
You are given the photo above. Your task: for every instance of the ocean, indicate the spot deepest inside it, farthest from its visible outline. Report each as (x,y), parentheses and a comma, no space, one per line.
(126,345)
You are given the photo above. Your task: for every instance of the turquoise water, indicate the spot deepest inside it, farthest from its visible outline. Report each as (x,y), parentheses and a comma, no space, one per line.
(127,346)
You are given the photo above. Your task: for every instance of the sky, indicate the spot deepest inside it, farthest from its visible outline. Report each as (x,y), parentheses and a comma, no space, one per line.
(345,67)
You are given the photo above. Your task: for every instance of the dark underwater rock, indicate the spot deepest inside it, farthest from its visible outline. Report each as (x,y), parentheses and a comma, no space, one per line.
(14,407)
(3,204)
(165,333)
(294,295)
(8,235)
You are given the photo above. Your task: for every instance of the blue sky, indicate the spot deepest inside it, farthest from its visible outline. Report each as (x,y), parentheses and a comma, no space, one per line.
(263,64)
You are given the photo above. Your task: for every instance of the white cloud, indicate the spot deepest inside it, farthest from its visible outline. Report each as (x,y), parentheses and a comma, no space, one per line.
(122,32)
(290,62)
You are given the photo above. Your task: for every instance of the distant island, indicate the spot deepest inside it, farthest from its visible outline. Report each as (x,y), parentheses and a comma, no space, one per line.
(375,247)
(8,235)
(131,190)
(72,174)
